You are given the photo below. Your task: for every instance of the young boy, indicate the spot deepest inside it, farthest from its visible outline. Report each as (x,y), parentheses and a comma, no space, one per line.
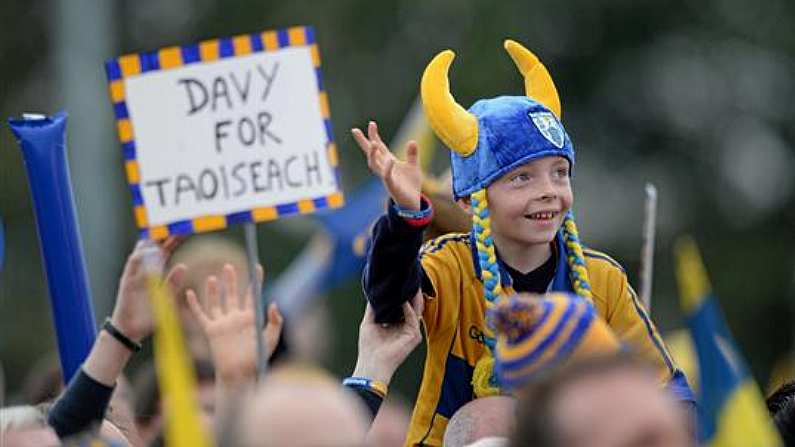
(511,162)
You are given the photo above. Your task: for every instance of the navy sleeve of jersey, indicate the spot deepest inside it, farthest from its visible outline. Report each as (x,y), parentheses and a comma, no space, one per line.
(370,400)
(82,405)
(392,274)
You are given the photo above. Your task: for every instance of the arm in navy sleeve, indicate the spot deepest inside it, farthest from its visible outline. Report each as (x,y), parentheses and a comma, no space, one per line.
(393,274)
(82,406)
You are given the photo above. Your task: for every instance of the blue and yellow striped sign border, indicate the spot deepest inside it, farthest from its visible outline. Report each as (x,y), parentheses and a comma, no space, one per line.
(207,51)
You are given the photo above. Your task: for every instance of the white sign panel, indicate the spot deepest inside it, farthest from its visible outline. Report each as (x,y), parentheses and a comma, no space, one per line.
(227,131)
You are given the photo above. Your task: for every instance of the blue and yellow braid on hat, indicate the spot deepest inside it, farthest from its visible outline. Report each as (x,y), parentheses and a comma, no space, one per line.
(490,139)
(537,333)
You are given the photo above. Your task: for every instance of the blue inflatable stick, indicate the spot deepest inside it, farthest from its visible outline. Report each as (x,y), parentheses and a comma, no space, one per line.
(42,141)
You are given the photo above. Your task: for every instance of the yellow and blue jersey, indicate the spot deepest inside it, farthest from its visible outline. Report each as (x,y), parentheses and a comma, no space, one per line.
(454,314)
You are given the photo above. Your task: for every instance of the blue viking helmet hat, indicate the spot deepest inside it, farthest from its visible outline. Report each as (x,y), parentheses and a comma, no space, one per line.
(499,134)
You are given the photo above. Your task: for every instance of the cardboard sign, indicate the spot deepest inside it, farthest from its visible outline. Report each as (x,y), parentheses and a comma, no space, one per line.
(225,131)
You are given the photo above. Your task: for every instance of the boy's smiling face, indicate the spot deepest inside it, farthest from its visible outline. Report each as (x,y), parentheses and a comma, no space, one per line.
(527,205)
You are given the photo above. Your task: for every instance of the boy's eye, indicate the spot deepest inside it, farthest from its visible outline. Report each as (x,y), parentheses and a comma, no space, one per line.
(518,178)
(562,172)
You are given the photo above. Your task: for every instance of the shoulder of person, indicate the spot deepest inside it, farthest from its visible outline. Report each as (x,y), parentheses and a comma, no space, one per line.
(599,263)
(607,277)
(447,260)
(446,245)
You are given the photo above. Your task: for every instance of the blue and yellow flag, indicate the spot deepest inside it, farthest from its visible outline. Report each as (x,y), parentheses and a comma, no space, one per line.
(732,411)
(175,374)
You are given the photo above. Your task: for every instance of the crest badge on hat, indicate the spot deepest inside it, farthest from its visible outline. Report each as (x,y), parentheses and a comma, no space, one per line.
(550,128)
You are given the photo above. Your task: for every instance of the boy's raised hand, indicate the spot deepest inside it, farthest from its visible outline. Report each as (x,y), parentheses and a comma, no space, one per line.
(403,179)
(229,323)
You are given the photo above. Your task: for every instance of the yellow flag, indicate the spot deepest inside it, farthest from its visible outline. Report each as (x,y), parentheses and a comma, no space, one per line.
(176,377)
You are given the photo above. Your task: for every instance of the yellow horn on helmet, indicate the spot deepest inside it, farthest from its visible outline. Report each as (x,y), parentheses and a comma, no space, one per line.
(456,127)
(538,83)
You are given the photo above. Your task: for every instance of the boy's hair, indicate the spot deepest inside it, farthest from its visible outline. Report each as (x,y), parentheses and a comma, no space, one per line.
(490,139)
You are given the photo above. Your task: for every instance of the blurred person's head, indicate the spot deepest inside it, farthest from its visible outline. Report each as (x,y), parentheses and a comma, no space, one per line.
(22,417)
(26,425)
(600,402)
(44,380)
(781,405)
(484,418)
(148,406)
(309,334)
(296,407)
(391,424)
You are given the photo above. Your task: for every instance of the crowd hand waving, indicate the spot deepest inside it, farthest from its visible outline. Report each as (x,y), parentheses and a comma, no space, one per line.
(132,314)
(229,323)
(383,348)
(403,179)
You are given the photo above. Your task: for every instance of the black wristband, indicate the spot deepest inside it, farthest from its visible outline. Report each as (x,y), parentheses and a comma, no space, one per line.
(117,334)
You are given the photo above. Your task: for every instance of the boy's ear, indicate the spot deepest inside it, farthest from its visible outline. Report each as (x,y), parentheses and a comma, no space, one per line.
(465,203)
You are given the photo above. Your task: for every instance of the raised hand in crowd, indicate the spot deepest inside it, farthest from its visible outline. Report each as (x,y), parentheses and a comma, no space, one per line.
(383,348)
(228,320)
(403,179)
(86,399)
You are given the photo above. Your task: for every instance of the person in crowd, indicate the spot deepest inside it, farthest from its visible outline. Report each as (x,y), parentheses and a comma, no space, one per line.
(26,425)
(86,399)
(512,164)
(205,255)
(610,401)
(391,423)
(490,419)
(148,410)
(382,349)
(781,405)
(44,381)
(227,319)
(299,406)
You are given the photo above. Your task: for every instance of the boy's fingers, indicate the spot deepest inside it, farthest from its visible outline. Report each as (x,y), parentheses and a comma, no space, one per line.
(389,169)
(362,141)
(377,137)
(412,152)
(372,132)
